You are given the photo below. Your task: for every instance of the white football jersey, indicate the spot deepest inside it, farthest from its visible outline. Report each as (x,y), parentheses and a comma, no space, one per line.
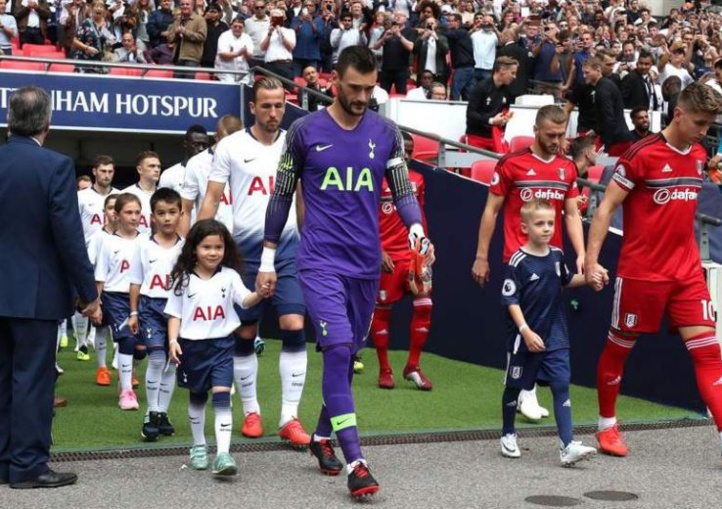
(196,182)
(112,266)
(250,169)
(173,177)
(95,243)
(90,205)
(144,226)
(152,265)
(206,306)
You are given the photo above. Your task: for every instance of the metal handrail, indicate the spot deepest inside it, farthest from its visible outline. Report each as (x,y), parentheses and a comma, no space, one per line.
(94,63)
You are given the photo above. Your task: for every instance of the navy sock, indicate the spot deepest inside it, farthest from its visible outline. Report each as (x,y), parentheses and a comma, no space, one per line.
(508,410)
(562,411)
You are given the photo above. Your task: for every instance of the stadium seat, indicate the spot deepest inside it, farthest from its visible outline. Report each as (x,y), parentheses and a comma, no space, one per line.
(520,143)
(425,149)
(157,73)
(122,71)
(206,76)
(42,51)
(483,170)
(62,68)
(594,173)
(22,66)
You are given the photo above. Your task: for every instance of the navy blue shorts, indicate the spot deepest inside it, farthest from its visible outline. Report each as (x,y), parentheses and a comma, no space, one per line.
(205,364)
(339,307)
(153,323)
(524,369)
(287,299)
(116,306)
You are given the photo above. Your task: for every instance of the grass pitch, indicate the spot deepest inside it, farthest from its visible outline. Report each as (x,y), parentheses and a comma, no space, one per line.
(465,397)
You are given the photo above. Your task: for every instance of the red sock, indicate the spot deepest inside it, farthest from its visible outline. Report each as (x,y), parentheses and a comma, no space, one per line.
(707,358)
(420,324)
(610,369)
(380,335)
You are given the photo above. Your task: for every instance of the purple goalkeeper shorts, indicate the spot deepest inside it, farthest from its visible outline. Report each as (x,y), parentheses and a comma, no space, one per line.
(339,307)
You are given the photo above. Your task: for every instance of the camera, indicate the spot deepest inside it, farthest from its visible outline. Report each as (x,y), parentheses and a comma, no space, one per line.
(276,21)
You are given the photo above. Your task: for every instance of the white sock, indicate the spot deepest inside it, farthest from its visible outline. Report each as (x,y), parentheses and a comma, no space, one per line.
(80,323)
(606,422)
(224,428)
(57,340)
(64,328)
(167,386)
(153,375)
(528,395)
(115,355)
(92,331)
(245,371)
(197,420)
(101,335)
(125,368)
(292,366)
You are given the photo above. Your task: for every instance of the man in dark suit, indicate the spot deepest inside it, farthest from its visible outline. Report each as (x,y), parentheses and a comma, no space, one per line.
(637,88)
(44,266)
(611,125)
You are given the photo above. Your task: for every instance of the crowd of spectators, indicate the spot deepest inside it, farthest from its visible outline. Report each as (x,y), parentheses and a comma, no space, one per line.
(457,41)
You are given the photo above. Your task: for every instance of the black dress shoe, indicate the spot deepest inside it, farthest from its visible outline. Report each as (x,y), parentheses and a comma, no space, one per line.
(49,480)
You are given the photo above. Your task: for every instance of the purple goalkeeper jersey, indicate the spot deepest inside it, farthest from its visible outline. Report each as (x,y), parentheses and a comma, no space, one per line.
(341,173)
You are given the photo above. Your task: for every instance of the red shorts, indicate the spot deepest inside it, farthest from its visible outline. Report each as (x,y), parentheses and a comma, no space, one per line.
(640,304)
(394,285)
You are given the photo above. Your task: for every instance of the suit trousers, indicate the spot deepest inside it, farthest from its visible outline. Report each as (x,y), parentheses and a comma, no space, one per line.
(27,385)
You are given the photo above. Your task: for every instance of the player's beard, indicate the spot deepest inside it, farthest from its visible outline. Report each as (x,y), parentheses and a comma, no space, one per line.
(348,106)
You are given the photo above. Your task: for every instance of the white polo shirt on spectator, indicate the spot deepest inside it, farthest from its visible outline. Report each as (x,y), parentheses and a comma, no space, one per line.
(276,49)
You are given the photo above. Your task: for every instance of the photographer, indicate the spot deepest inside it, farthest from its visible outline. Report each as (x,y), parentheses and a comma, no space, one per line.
(346,35)
(309,33)
(278,46)
(397,43)
(429,43)
(547,71)
(484,39)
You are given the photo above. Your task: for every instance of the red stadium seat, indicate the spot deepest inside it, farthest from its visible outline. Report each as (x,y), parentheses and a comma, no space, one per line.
(425,149)
(62,68)
(157,73)
(205,76)
(22,66)
(483,170)
(42,50)
(520,143)
(594,173)
(121,71)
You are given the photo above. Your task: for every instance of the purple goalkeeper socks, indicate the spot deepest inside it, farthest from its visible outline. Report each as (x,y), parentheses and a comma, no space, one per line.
(338,412)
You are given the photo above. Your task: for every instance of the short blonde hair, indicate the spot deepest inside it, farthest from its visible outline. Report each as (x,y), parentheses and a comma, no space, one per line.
(528,209)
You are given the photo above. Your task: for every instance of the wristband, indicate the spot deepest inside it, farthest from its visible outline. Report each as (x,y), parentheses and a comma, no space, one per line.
(268,257)
(523,327)
(133,313)
(171,341)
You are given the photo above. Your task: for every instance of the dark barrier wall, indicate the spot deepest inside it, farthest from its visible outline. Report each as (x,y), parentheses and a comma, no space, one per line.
(468,321)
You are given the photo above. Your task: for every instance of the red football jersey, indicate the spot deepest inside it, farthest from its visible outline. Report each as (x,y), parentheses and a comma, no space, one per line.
(663,183)
(394,234)
(523,176)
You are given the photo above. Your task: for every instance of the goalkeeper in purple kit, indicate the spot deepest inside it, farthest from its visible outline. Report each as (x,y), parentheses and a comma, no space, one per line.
(340,155)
